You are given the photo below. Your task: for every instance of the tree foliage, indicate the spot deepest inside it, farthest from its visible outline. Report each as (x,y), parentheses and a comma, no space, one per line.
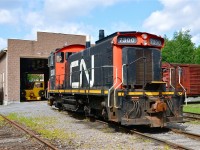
(180,49)
(35,77)
(197,55)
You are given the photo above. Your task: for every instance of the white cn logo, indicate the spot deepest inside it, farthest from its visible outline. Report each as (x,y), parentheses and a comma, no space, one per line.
(82,69)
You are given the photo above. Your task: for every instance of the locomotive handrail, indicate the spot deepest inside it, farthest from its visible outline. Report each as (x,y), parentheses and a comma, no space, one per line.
(115,102)
(179,81)
(170,76)
(109,91)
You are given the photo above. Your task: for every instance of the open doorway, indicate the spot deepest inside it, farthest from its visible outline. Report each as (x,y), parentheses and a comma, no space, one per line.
(34,75)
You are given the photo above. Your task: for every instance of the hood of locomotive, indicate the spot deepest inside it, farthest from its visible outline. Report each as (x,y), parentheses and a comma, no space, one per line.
(140,66)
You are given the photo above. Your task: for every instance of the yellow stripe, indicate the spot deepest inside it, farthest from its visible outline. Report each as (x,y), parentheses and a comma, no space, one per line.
(120,93)
(95,91)
(167,93)
(74,91)
(68,91)
(158,82)
(106,92)
(82,91)
(56,91)
(146,93)
(135,93)
(152,93)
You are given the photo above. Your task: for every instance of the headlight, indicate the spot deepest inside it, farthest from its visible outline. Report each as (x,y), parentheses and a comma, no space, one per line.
(144,36)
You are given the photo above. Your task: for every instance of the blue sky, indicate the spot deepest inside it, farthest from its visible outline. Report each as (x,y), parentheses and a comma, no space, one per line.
(21,19)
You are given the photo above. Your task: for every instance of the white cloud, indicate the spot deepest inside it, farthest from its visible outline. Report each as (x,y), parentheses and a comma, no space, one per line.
(55,16)
(175,15)
(34,19)
(5,16)
(67,28)
(64,9)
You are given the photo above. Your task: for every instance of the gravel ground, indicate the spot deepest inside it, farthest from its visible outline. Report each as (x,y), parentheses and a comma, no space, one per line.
(85,134)
(12,139)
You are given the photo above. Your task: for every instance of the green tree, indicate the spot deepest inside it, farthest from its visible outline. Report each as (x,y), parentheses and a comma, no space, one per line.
(180,49)
(197,55)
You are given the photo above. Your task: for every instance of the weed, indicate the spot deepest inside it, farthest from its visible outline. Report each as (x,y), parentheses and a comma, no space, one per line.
(43,126)
(2,122)
(195,122)
(166,147)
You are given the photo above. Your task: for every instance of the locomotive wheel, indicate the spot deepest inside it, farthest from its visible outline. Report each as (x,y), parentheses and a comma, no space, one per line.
(41,93)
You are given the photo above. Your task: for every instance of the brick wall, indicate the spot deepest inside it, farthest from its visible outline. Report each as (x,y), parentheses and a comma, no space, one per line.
(46,42)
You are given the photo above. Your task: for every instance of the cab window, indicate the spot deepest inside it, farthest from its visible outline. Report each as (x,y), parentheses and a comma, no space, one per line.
(60,57)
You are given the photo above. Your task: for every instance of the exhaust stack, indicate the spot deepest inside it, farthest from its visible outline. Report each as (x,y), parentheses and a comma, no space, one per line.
(101,34)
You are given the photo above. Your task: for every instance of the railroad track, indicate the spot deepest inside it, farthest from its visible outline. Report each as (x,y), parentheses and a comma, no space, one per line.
(171,139)
(188,134)
(193,116)
(20,138)
(160,137)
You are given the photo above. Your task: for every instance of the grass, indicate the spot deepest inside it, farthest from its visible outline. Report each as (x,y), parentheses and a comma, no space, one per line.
(43,126)
(2,122)
(195,122)
(193,108)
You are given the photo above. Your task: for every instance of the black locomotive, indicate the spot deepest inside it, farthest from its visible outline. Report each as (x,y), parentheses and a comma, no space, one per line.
(119,79)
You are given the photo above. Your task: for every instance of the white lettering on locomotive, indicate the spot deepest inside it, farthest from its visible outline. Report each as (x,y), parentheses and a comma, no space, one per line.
(73,84)
(82,69)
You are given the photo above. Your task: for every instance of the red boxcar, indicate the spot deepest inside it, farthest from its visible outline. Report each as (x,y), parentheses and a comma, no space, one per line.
(183,77)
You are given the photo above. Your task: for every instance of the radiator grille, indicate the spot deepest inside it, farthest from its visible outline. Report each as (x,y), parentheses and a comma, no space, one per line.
(144,66)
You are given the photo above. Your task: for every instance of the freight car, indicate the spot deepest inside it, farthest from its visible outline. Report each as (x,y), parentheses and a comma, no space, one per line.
(183,76)
(119,79)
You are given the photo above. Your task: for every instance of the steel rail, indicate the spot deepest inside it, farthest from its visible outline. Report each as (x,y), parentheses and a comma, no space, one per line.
(171,144)
(191,115)
(189,134)
(16,125)
(124,128)
(161,140)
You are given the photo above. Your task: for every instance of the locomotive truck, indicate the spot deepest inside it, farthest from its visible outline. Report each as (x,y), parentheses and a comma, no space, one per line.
(119,79)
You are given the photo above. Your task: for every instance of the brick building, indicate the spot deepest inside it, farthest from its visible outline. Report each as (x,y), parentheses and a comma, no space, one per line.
(20,52)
